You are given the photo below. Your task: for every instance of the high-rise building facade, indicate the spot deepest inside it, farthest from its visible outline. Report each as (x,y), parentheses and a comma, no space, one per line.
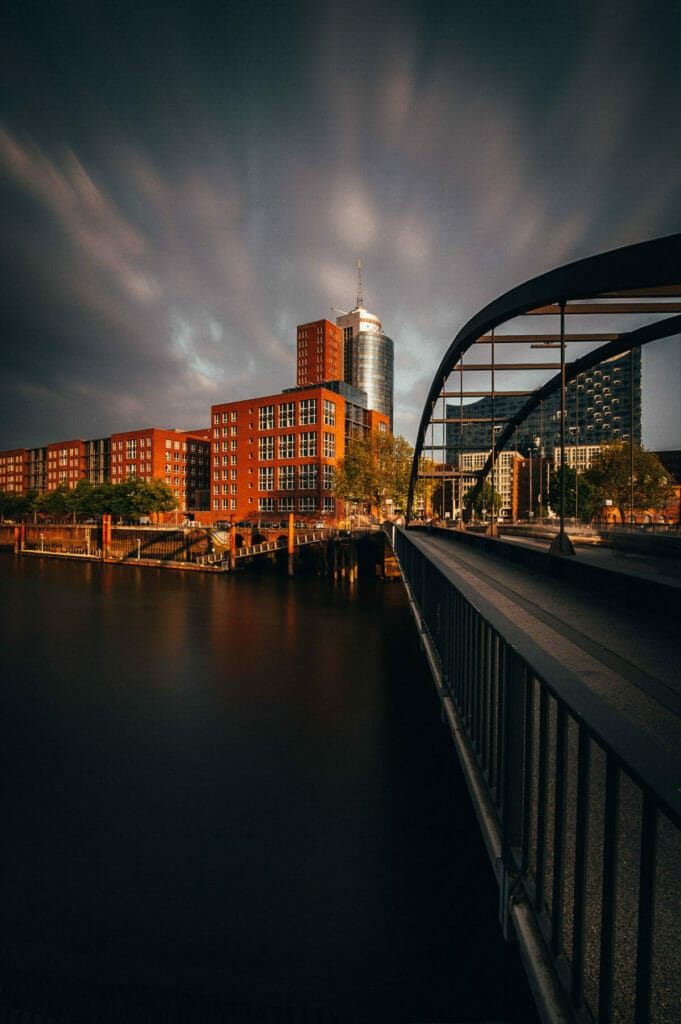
(369,356)
(603,405)
(319,353)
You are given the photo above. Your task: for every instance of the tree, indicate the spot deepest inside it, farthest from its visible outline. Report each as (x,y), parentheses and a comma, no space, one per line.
(10,504)
(135,497)
(482,501)
(375,469)
(611,479)
(54,503)
(81,499)
(584,495)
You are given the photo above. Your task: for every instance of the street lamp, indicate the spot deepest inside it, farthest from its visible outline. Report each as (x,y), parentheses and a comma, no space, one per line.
(540,453)
(575,433)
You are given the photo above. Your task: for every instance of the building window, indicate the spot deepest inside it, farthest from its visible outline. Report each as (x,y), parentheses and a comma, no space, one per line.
(266,478)
(287,446)
(308,411)
(329,446)
(287,414)
(266,417)
(329,413)
(307,444)
(266,447)
(307,477)
(329,505)
(308,503)
(328,478)
(287,505)
(287,478)
(266,504)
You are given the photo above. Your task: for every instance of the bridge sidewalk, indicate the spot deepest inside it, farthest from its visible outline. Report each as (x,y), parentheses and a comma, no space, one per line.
(630,657)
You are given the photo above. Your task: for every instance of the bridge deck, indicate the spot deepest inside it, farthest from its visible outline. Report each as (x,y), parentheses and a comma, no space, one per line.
(629,656)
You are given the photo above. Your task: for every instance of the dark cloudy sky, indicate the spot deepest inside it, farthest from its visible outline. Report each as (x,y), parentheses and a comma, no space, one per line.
(184,182)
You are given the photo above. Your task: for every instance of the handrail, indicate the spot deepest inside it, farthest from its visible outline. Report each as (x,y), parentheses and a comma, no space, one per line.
(581,810)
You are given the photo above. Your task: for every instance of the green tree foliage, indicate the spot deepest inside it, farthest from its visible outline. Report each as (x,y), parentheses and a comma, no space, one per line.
(54,503)
(482,501)
(375,469)
(11,505)
(611,479)
(583,500)
(128,500)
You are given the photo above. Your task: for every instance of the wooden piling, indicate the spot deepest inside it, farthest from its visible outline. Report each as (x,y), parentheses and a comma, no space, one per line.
(291,544)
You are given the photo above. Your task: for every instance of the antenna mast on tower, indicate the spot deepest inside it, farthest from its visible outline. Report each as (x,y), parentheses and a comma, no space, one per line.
(360,297)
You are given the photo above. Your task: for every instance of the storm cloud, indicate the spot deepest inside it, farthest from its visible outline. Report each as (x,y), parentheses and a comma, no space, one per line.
(184,183)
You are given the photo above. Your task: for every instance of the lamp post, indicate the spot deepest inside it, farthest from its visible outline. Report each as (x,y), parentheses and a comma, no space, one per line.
(575,433)
(561,544)
(540,498)
(530,512)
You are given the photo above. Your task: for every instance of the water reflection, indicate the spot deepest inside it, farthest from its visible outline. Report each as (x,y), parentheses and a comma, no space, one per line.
(238,784)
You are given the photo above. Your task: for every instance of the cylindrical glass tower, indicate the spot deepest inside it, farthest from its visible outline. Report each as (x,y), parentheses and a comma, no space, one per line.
(372,370)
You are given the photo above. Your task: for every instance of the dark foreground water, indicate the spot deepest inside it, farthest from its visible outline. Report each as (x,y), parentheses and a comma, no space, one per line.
(238,788)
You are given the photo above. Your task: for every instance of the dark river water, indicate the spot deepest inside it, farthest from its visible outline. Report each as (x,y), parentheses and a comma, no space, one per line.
(238,786)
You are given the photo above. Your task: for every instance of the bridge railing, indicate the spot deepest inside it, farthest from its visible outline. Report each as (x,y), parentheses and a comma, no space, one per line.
(580,812)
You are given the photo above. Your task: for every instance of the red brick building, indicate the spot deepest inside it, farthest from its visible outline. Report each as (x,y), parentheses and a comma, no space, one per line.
(277,454)
(178,457)
(66,464)
(319,353)
(14,471)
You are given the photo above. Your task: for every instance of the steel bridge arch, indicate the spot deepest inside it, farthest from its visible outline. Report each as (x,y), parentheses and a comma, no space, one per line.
(645,270)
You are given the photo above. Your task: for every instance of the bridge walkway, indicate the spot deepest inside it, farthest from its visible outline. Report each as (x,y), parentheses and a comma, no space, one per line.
(559,679)
(630,656)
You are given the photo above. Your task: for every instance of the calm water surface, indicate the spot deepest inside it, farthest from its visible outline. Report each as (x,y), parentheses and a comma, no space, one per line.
(238,785)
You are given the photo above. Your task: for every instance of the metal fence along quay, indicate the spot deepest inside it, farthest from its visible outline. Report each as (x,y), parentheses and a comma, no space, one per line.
(580,810)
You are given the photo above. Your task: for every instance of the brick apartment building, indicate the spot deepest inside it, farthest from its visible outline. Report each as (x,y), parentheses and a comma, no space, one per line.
(276,455)
(65,464)
(260,457)
(181,458)
(14,471)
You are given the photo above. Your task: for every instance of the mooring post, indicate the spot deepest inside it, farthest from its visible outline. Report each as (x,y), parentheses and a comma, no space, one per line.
(291,544)
(106,536)
(232,544)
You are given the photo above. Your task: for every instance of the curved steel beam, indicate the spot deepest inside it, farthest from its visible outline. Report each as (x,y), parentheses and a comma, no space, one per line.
(630,339)
(643,265)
